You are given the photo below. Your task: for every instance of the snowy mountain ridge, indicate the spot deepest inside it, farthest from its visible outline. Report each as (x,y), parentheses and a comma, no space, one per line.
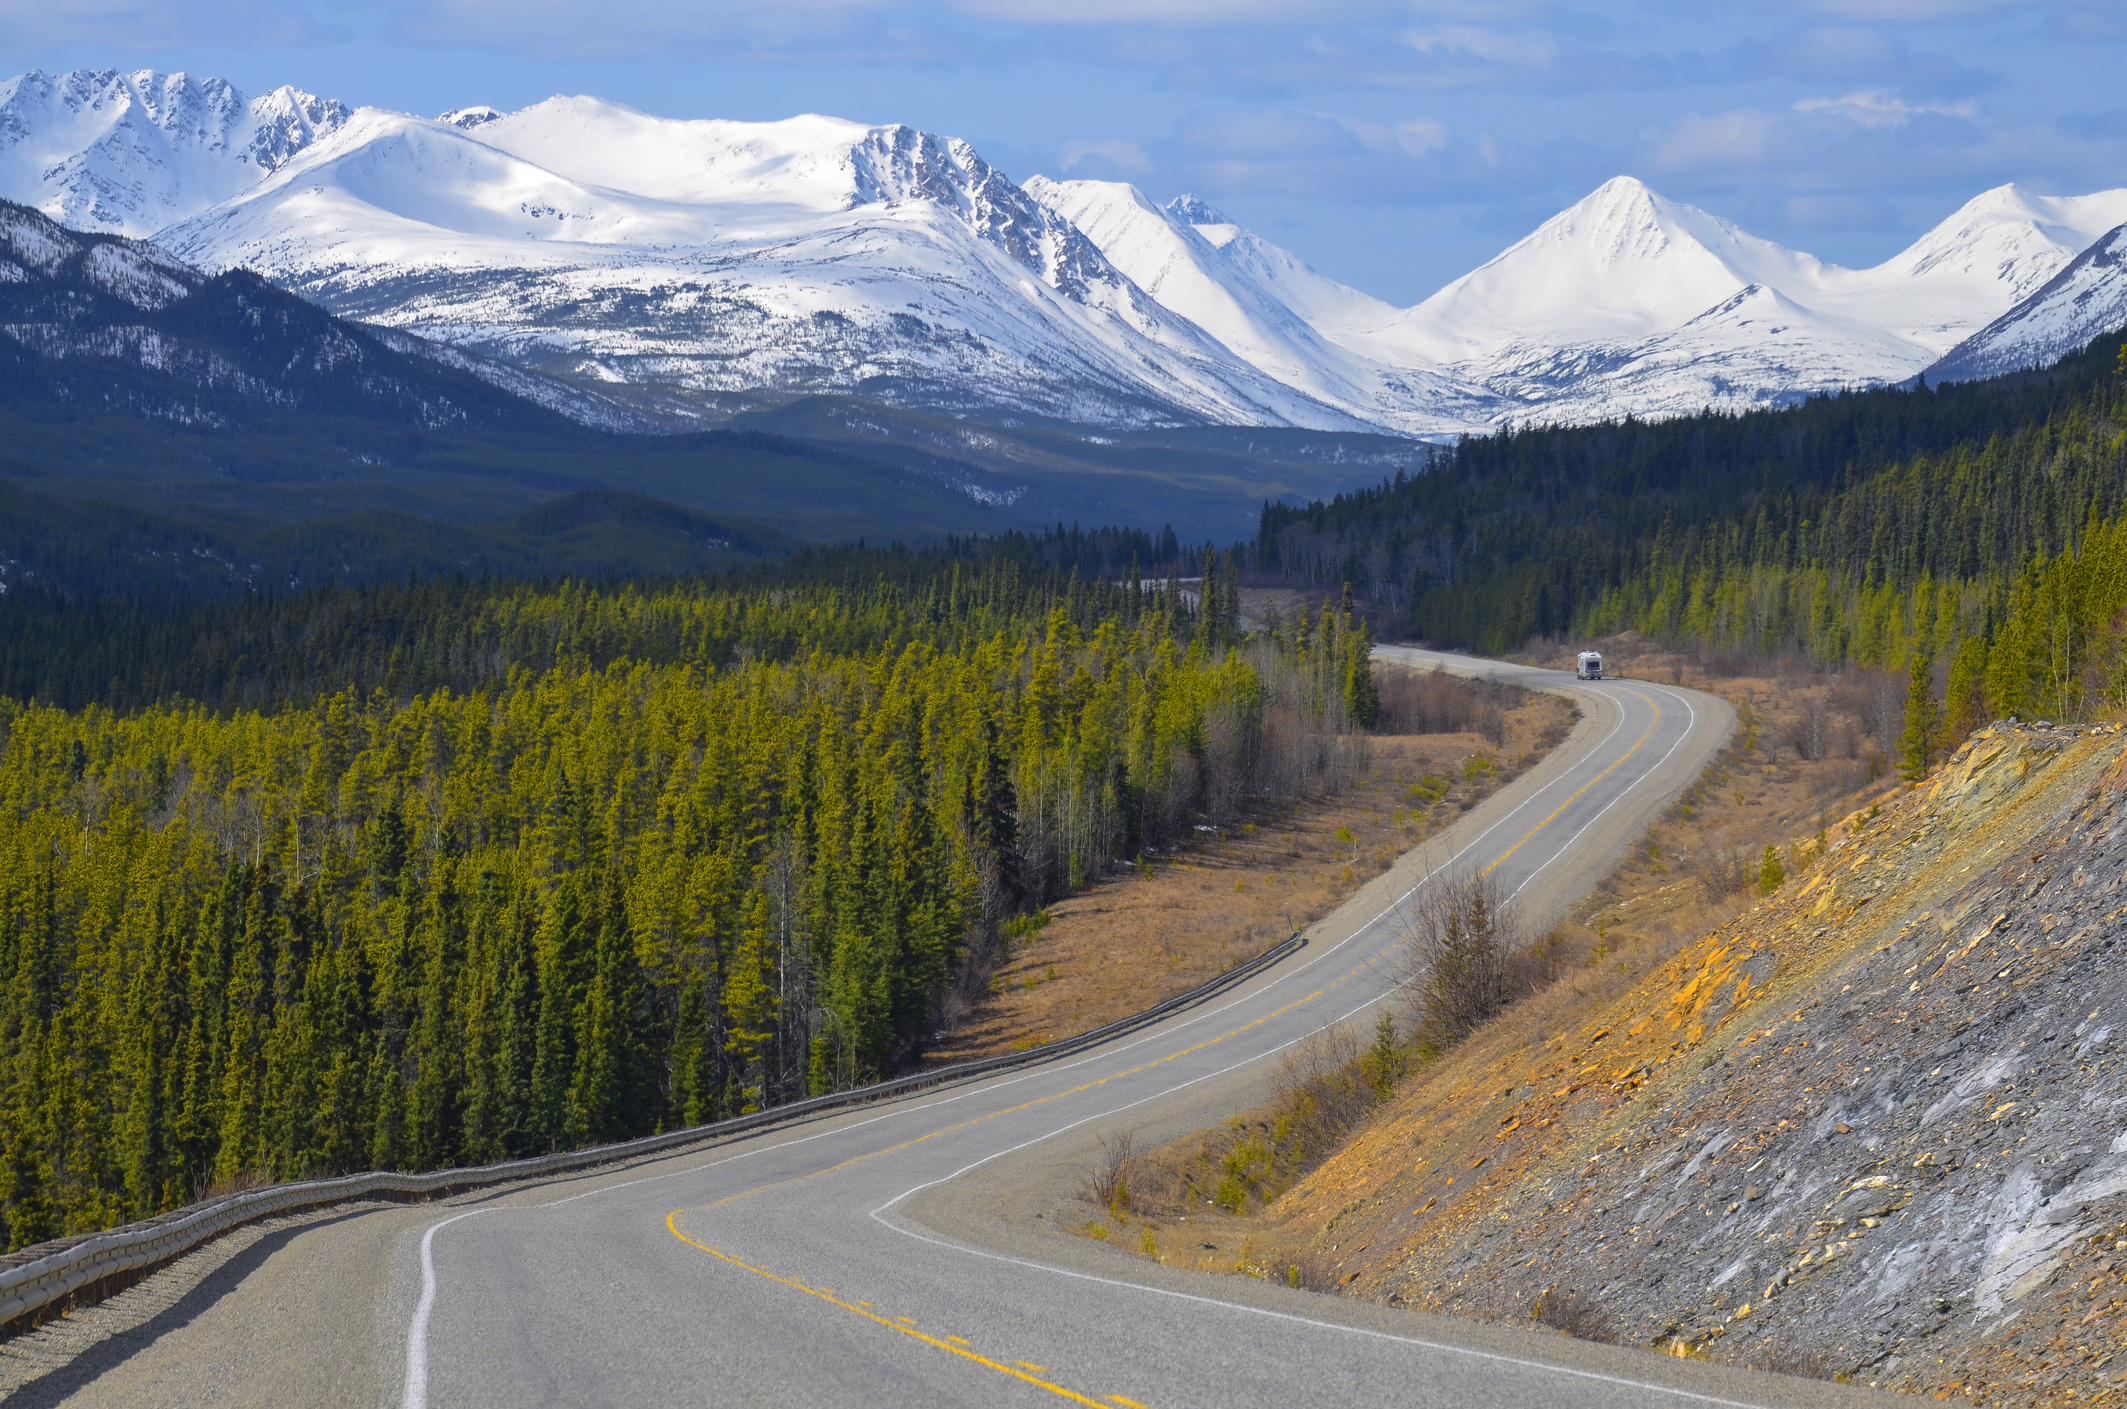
(131,153)
(725,264)
(1626,303)
(2085,300)
(700,268)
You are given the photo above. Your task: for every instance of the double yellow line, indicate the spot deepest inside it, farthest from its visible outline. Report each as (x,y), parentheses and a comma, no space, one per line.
(1580,793)
(1019,1372)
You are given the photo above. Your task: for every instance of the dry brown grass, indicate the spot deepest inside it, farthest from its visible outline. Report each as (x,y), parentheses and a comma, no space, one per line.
(1668,892)
(1813,748)
(1142,936)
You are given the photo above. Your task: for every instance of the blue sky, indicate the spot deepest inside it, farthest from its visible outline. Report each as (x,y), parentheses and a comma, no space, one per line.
(1391,143)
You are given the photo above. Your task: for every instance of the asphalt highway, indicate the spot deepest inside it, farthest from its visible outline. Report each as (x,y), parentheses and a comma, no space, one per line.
(909,1253)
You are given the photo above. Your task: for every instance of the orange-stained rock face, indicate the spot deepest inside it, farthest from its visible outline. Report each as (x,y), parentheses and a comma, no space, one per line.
(1881,1117)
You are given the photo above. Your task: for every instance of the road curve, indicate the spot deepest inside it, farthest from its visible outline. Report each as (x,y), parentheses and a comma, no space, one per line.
(908,1252)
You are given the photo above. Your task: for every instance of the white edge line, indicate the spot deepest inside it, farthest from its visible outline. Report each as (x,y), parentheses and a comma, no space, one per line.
(878,1214)
(1420,1342)
(415,1392)
(1649,773)
(414,1395)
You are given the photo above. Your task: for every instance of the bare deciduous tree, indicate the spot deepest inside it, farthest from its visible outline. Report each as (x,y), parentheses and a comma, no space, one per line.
(1434,702)
(1461,938)
(1721,872)
(1108,1182)
(1809,732)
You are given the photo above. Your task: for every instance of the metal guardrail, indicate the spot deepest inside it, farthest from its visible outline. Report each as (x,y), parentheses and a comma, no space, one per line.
(32,1287)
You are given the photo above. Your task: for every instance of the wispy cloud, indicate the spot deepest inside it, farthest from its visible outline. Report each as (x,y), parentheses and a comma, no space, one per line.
(1114,152)
(1880,107)
(161,26)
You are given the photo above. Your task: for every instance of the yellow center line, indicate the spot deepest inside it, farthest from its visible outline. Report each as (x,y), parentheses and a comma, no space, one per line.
(1171,1056)
(1184,1052)
(1577,796)
(1026,1370)
(672,1222)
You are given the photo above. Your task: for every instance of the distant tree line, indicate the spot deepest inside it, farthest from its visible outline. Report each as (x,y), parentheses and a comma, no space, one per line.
(1971,532)
(1544,530)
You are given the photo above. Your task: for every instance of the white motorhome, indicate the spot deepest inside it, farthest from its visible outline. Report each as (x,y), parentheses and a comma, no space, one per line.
(1591,665)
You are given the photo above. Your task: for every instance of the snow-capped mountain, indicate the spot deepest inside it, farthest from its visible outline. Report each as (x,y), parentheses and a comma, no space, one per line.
(731,260)
(1630,303)
(2083,301)
(1263,304)
(1625,303)
(199,350)
(131,153)
(700,268)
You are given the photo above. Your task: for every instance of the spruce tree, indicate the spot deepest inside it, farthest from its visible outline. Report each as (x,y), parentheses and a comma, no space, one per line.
(514,1121)
(1362,700)
(1384,1059)
(1964,702)
(695,1091)
(1919,740)
(565,956)
(438,1054)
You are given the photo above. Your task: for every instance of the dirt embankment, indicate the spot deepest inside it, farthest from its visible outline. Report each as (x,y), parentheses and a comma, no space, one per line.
(1179,920)
(1872,1126)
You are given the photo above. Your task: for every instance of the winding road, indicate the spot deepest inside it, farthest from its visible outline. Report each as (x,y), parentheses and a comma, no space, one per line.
(908,1253)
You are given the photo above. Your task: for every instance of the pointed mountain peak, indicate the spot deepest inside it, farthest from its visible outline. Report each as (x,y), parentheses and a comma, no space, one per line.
(1620,201)
(1622,188)
(1196,210)
(137,151)
(469,117)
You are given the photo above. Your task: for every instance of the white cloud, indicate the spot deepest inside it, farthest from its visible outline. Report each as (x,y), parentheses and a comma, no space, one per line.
(1485,46)
(1414,137)
(1880,107)
(823,30)
(139,26)
(1127,156)
(1911,11)
(1713,141)
(1417,161)
(1421,135)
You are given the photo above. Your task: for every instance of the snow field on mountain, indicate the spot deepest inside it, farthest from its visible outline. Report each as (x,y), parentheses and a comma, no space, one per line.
(817,254)
(2085,300)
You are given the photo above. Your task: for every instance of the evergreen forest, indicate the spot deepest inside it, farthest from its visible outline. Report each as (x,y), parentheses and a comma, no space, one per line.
(438,873)
(1976,531)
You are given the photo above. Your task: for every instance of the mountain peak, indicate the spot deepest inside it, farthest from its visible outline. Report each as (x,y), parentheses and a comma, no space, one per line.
(139,151)
(1620,264)
(475,116)
(2085,300)
(1621,204)
(1196,211)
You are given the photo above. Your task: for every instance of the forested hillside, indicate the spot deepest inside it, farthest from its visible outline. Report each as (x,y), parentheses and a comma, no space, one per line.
(506,868)
(1969,524)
